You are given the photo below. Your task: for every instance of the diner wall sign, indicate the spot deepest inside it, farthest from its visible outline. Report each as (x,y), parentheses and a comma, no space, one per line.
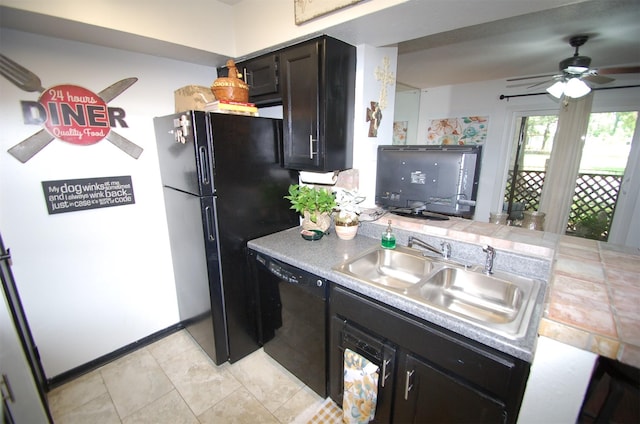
(67,112)
(87,193)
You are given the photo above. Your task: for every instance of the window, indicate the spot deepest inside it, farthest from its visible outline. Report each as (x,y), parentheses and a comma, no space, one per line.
(602,166)
(533,143)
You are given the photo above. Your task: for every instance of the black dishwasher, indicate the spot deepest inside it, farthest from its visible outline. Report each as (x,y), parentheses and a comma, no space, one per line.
(293,314)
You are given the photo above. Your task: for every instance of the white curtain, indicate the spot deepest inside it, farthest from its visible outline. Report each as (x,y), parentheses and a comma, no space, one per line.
(564,163)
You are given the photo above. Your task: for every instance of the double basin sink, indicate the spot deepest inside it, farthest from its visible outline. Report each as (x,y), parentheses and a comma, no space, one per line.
(501,303)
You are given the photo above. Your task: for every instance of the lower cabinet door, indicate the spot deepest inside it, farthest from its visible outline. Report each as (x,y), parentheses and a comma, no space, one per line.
(425,394)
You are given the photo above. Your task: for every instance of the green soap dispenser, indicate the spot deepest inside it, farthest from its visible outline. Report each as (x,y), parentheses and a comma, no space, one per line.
(388,238)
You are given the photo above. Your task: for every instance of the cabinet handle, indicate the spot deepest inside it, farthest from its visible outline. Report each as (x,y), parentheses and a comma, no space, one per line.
(248,74)
(385,362)
(311,152)
(407,385)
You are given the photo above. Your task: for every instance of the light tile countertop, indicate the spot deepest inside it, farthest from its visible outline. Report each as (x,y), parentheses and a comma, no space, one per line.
(593,296)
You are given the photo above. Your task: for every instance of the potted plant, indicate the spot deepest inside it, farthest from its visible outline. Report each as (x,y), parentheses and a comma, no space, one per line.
(315,205)
(347,212)
(593,226)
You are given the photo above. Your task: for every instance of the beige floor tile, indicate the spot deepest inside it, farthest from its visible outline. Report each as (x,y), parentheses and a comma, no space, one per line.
(270,383)
(172,345)
(76,393)
(168,409)
(100,410)
(135,381)
(173,381)
(302,400)
(239,408)
(198,380)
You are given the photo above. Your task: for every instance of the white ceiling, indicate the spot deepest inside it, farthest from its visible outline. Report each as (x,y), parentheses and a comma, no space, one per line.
(440,42)
(531,44)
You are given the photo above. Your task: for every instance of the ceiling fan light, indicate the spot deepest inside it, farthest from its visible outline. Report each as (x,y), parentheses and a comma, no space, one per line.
(576,88)
(557,89)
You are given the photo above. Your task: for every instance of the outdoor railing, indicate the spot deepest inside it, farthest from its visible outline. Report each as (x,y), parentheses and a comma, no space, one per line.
(593,204)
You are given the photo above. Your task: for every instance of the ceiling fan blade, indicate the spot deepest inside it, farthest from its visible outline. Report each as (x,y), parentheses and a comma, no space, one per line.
(597,79)
(520,84)
(533,77)
(620,70)
(540,83)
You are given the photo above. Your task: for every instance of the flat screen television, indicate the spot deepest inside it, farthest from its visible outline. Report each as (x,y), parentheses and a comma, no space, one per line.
(429,180)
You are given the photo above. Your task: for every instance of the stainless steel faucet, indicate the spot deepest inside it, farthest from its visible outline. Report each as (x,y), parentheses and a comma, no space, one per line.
(445,248)
(491,255)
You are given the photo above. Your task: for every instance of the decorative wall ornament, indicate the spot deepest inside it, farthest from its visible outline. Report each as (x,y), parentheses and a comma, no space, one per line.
(374,116)
(374,113)
(306,10)
(460,131)
(386,77)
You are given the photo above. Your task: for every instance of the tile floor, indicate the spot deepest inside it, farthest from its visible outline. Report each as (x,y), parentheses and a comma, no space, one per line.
(174,381)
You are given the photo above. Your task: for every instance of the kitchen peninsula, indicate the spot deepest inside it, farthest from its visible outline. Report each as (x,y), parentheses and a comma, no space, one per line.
(593,290)
(590,302)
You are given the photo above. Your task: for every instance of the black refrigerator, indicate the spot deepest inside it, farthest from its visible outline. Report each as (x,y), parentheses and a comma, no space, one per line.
(223,185)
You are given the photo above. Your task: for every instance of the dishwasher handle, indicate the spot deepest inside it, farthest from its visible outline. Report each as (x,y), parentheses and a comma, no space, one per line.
(289,274)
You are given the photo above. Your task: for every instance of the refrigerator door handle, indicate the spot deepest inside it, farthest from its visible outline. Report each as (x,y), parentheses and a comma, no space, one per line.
(204,165)
(209,223)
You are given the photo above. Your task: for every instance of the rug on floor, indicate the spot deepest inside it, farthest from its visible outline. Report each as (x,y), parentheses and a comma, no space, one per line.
(324,412)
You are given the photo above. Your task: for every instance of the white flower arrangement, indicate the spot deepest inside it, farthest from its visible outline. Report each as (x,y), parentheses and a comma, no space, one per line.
(347,208)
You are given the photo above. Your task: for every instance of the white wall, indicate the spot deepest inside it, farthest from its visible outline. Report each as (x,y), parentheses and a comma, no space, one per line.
(482,99)
(96,280)
(211,26)
(557,383)
(368,89)
(206,25)
(274,21)
(477,99)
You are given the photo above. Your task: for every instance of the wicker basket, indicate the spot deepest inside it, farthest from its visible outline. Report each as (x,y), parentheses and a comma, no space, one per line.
(231,88)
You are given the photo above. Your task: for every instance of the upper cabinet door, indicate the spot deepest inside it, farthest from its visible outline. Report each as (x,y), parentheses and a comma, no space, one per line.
(261,74)
(318,97)
(300,101)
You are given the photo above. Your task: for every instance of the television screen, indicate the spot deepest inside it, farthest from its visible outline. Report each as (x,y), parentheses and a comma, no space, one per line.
(440,179)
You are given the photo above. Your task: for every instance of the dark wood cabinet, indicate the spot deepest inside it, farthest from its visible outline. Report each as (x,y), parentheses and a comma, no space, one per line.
(318,96)
(262,76)
(314,81)
(439,376)
(428,394)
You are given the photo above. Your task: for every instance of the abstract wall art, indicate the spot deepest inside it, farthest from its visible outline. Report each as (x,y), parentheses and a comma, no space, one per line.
(458,131)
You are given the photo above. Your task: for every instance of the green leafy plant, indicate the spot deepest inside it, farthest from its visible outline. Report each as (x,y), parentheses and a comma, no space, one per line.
(593,226)
(312,200)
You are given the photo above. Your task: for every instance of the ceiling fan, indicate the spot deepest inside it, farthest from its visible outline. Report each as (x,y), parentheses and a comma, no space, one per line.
(574,71)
